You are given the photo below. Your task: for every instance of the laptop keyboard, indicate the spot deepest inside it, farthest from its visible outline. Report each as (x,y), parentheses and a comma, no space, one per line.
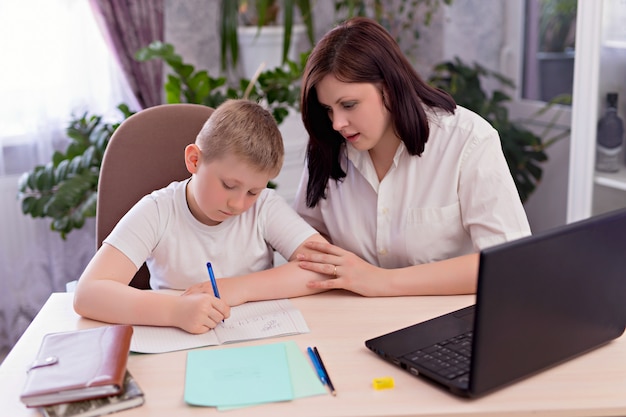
(449,358)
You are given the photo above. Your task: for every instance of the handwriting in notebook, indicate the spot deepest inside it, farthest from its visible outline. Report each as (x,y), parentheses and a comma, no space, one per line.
(254,320)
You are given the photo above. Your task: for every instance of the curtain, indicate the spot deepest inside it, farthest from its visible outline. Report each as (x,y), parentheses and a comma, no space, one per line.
(129,25)
(55,64)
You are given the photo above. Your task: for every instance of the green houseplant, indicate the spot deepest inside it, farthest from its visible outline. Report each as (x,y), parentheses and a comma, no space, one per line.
(65,188)
(555,50)
(557,23)
(260,13)
(277,88)
(524,151)
(400,18)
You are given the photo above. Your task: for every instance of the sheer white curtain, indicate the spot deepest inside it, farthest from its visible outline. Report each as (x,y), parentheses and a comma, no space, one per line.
(54,64)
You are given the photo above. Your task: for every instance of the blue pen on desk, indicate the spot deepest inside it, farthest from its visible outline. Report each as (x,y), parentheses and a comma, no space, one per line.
(316,364)
(325,371)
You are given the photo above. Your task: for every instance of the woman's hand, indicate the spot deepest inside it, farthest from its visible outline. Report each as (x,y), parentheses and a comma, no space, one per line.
(348,270)
(199,312)
(451,276)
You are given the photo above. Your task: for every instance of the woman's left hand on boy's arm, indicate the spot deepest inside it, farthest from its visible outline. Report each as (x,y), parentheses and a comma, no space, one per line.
(348,271)
(456,275)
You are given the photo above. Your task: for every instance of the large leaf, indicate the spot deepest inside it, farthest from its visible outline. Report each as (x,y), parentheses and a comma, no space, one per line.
(65,189)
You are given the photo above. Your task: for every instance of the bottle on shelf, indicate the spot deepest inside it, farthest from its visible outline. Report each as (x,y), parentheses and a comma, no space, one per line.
(610,137)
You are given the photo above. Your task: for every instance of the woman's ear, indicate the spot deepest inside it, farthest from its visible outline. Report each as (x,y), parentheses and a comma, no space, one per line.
(384,96)
(192,158)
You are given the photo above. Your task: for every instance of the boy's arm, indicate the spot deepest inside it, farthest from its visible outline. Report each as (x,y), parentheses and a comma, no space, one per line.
(103,294)
(284,281)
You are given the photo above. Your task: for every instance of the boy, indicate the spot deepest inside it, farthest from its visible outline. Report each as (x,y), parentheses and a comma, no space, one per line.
(223,214)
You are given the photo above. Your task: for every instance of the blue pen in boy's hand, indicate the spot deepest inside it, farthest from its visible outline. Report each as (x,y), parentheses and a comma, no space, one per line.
(213,282)
(216,292)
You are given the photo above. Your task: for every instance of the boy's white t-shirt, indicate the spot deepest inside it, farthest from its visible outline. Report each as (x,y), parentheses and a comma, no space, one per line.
(161,231)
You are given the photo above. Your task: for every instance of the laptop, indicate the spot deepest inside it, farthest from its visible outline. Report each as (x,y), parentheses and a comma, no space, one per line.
(541,300)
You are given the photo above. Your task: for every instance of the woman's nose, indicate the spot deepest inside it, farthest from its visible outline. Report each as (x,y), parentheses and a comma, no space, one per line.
(339,122)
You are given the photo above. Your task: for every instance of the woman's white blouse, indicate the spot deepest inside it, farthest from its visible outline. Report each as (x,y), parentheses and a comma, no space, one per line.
(457,198)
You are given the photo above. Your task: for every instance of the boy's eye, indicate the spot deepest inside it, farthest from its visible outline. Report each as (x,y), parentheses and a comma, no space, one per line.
(232,187)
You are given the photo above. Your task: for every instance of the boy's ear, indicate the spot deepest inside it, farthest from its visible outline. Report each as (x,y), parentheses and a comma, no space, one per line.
(192,158)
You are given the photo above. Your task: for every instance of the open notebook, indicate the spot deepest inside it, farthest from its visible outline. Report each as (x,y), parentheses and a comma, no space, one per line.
(254,320)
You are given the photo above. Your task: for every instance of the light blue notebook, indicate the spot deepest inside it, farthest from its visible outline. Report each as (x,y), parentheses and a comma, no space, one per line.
(238,376)
(304,380)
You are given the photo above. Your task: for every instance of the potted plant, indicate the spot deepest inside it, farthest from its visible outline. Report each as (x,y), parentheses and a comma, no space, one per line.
(557,24)
(277,88)
(402,18)
(555,56)
(258,21)
(65,189)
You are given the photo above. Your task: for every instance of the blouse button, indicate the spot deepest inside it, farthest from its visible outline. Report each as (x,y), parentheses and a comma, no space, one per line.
(382,252)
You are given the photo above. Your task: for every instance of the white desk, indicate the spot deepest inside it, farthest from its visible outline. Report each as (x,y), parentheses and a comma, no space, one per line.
(591,385)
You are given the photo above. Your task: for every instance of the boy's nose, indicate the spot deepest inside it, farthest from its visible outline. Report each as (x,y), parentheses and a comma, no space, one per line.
(236,204)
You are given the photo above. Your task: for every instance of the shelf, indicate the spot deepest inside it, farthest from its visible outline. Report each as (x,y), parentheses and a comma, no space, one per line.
(616,180)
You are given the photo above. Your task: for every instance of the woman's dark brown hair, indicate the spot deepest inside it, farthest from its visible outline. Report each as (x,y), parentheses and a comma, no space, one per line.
(362,51)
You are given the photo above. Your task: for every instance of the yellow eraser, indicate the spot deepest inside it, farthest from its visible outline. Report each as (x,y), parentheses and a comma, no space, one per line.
(383,383)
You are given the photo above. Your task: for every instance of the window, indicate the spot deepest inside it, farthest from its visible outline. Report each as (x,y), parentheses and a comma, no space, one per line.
(55,64)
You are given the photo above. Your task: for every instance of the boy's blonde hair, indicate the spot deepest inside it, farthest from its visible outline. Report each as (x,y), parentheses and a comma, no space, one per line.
(245,129)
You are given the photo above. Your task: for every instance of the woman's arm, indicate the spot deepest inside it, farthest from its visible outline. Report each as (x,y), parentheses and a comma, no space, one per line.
(103,294)
(452,276)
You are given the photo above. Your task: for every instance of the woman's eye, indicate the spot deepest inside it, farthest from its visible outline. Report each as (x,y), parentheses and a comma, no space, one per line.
(348,105)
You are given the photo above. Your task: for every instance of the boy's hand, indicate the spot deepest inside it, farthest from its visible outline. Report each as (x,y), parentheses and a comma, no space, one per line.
(202,288)
(231,294)
(199,312)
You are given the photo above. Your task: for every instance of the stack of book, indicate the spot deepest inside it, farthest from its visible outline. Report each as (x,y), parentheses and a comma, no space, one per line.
(83,373)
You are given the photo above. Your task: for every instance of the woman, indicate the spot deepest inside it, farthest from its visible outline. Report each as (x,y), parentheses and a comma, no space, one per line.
(407,185)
